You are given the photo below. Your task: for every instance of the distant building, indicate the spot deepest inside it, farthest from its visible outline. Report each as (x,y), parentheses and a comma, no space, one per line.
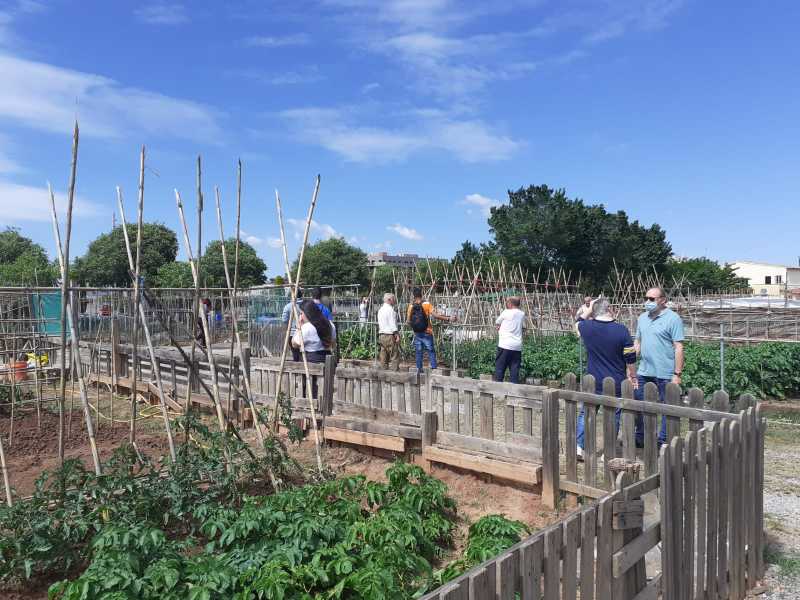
(379,259)
(766,279)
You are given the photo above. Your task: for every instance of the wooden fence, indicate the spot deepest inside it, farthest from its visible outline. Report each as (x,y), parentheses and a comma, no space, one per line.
(602,441)
(711,540)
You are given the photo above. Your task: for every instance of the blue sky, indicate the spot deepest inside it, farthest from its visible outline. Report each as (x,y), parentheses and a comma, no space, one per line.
(418,114)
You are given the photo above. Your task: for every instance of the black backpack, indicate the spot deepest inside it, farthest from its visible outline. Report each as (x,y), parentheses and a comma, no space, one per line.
(418,319)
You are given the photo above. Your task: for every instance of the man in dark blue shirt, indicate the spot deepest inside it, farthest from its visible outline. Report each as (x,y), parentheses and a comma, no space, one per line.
(610,353)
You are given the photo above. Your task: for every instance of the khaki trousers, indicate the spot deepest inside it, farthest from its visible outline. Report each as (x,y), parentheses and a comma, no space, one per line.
(390,351)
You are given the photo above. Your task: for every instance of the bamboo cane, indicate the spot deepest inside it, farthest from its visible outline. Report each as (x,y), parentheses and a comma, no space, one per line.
(75,349)
(293,291)
(196,301)
(64,287)
(6,483)
(148,339)
(137,301)
(317,444)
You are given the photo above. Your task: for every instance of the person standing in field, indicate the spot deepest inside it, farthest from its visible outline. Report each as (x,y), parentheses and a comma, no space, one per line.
(659,344)
(388,334)
(419,318)
(509,341)
(584,311)
(363,309)
(317,296)
(286,316)
(610,352)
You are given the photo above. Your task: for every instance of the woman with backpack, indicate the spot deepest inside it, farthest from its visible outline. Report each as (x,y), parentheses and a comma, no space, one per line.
(419,319)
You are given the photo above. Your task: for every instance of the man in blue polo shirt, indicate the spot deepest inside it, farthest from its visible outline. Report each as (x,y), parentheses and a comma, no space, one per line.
(659,344)
(610,353)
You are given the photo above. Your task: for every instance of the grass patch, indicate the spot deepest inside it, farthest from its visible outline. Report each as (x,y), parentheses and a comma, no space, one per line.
(789,563)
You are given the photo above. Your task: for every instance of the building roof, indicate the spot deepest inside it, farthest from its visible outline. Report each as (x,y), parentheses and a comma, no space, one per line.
(755,262)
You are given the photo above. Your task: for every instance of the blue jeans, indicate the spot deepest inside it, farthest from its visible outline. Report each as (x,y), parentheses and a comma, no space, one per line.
(507,359)
(639,395)
(424,340)
(581,426)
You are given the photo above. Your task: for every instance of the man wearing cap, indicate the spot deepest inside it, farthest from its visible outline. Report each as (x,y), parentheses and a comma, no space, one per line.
(610,353)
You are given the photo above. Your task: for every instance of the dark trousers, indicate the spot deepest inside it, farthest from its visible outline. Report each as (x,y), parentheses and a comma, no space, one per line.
(507,359)
(639,395)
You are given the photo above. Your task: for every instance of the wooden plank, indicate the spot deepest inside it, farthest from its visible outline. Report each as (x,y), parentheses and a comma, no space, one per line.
(581,489)
(628,425)
(487,415)
(523,473)
(605,533)
(401,400)
(590,434)
(628,514)
(725,490)
(570,441)
(588,532)
(569,579)
(508,413)
(519,439)
(652,425)
(499,449)
(377,374)
(649,407)
(749,434)
(397,398)
(531,568)
(672,397)
(720,401)
(652,591)
(479,586)
(355,424)
(676,509)
(377,414)
(667,529)
(609,434)
(700,503)
(696,400)
(414,399)
(490,387)
(712,519)
(550,451)
(430,424)
(737,522)
(690,479)
(361,438)
(524,403)
(634,551)
(468,413)
(761,426)
(506,580)
(452,398)
(552,562)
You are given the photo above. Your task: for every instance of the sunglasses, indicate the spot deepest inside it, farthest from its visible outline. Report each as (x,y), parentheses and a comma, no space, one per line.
(652,299)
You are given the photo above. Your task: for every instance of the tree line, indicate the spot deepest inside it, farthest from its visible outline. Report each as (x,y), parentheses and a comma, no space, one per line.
(539,228)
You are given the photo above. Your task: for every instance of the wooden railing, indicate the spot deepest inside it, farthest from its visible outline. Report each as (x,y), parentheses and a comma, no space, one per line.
(711,539)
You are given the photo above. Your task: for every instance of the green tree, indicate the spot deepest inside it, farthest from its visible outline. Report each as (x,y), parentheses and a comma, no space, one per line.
(334,261)
(251,268)
(470,252)
(704,274)
(106,261)
(277,280)
(542,228)
(24,262)
(176,274)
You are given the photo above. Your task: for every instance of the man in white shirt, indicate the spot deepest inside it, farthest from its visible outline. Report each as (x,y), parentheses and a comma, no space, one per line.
(388,335)
(509,342)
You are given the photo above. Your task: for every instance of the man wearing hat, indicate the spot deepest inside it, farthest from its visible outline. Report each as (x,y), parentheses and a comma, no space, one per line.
(610,353)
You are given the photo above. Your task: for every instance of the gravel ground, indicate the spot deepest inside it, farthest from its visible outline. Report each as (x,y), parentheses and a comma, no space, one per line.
(782,509)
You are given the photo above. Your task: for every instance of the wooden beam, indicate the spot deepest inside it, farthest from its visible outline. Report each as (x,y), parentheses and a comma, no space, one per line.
(520,472)
(361,438)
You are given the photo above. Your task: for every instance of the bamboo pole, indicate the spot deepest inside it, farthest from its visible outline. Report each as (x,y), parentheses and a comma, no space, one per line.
(317,443)
(64,289)
(137,301)
(148,339)
(293,289)
(75,349)
(200,315)
(6,482)
(196,301)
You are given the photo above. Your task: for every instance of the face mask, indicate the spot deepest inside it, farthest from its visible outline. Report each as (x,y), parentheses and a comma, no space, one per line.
(650,306)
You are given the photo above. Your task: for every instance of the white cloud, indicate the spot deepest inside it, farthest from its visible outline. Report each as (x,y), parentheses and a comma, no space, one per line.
(274,242)
(305,75)
(269,41)
(253,240)
(162,13)
(483,203)
(27,203)
(406,232)
(49,98)
(318,230)
(336,129)
(370,87)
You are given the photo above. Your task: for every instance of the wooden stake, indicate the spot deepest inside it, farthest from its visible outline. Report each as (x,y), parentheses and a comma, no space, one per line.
(148,340)
(64,289)
(137,301)
(317,443)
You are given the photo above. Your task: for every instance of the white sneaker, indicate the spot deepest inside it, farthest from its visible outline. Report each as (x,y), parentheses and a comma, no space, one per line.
(579,452)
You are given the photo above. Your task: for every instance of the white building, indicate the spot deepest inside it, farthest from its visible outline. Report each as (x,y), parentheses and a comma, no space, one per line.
(765,279)
(379,259)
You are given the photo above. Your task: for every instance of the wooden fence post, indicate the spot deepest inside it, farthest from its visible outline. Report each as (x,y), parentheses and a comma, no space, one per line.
(329,376)
(550,459)
(430,423)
